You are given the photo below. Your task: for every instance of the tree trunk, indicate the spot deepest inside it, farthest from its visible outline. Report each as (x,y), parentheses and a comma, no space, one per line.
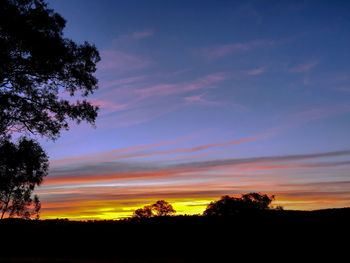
(4,210)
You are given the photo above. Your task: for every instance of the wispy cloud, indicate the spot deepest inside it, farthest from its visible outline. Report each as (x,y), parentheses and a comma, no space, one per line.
(110,171)
(123,81)
(120,61)
(304,67)
(301,117)
(142,34)
(143,101)
(227,49)
(204,82)
(201,99)
(343,89)
(105,154)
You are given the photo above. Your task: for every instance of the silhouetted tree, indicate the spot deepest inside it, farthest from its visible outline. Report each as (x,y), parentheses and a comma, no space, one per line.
(159,208)
(145,212)
(163,208)
(22,167)
(39,70)
(247,203)
(37,66)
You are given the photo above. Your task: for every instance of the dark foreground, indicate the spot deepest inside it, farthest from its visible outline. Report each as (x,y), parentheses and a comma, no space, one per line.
(294,234)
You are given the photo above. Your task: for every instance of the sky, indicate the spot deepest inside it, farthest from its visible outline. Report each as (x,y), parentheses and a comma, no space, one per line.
(200,99)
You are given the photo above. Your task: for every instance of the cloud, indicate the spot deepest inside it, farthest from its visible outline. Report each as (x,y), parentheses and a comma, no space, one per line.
(255,72)
(264,159)
(118,154)
(104,154)
(305,116)
(142,34)
(123,81)
(219,51)
(117,170)
(140,99)
(201,100)
(120,61)
(344,89)
(304,67)
(320,113)
(204,82)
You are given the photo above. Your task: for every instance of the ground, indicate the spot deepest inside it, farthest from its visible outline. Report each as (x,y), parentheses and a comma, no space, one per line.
(177,239)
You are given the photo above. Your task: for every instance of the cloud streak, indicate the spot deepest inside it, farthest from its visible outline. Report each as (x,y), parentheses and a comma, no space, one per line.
(104,154)
(219,51)
(120,61)
(116,171)
(304,67)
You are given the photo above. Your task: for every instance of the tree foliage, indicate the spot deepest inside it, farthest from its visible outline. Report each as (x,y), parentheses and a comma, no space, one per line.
(22,167)
(163,208)
(40,72)
(37,66)
(159,208)
(144,212)
(246,204)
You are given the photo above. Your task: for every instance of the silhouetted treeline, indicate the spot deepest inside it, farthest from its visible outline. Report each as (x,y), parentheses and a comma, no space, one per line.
(181,238)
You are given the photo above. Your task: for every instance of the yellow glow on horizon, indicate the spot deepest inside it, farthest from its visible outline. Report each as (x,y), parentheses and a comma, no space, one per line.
(118,209)
(102,210)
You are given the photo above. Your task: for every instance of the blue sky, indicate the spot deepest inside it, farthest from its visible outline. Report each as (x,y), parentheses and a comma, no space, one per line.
(188,83)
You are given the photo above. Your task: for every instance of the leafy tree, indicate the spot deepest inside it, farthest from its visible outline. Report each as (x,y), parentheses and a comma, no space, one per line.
(163,208)
(39,69)
(22,167)
(159,208)
(247,203)
(40,73)
(145,212)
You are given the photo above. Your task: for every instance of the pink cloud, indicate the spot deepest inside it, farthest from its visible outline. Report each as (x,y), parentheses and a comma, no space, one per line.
(304,67)
(142,101)
(169,89)
(223,50)
(108,107)
(123,81)
(309,115)
(141,114)
(134,152)
(344,89)
(201,100)
(142,34)
(257,71)
(320,113)
(145,102)
(196,99)
(109,153)
(122,61)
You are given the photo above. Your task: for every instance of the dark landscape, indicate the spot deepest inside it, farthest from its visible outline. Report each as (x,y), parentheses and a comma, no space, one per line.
(178,238)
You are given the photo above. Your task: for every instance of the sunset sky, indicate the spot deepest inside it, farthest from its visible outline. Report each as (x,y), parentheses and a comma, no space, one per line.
(205,98)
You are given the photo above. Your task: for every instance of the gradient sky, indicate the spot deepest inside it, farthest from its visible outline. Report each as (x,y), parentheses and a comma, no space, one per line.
(205,98)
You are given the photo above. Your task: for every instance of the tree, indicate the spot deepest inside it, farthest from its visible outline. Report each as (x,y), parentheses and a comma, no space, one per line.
(159,208)
(38,67)
(246,204)
(22,167)
(163,208)
(145,212)
(40,72)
